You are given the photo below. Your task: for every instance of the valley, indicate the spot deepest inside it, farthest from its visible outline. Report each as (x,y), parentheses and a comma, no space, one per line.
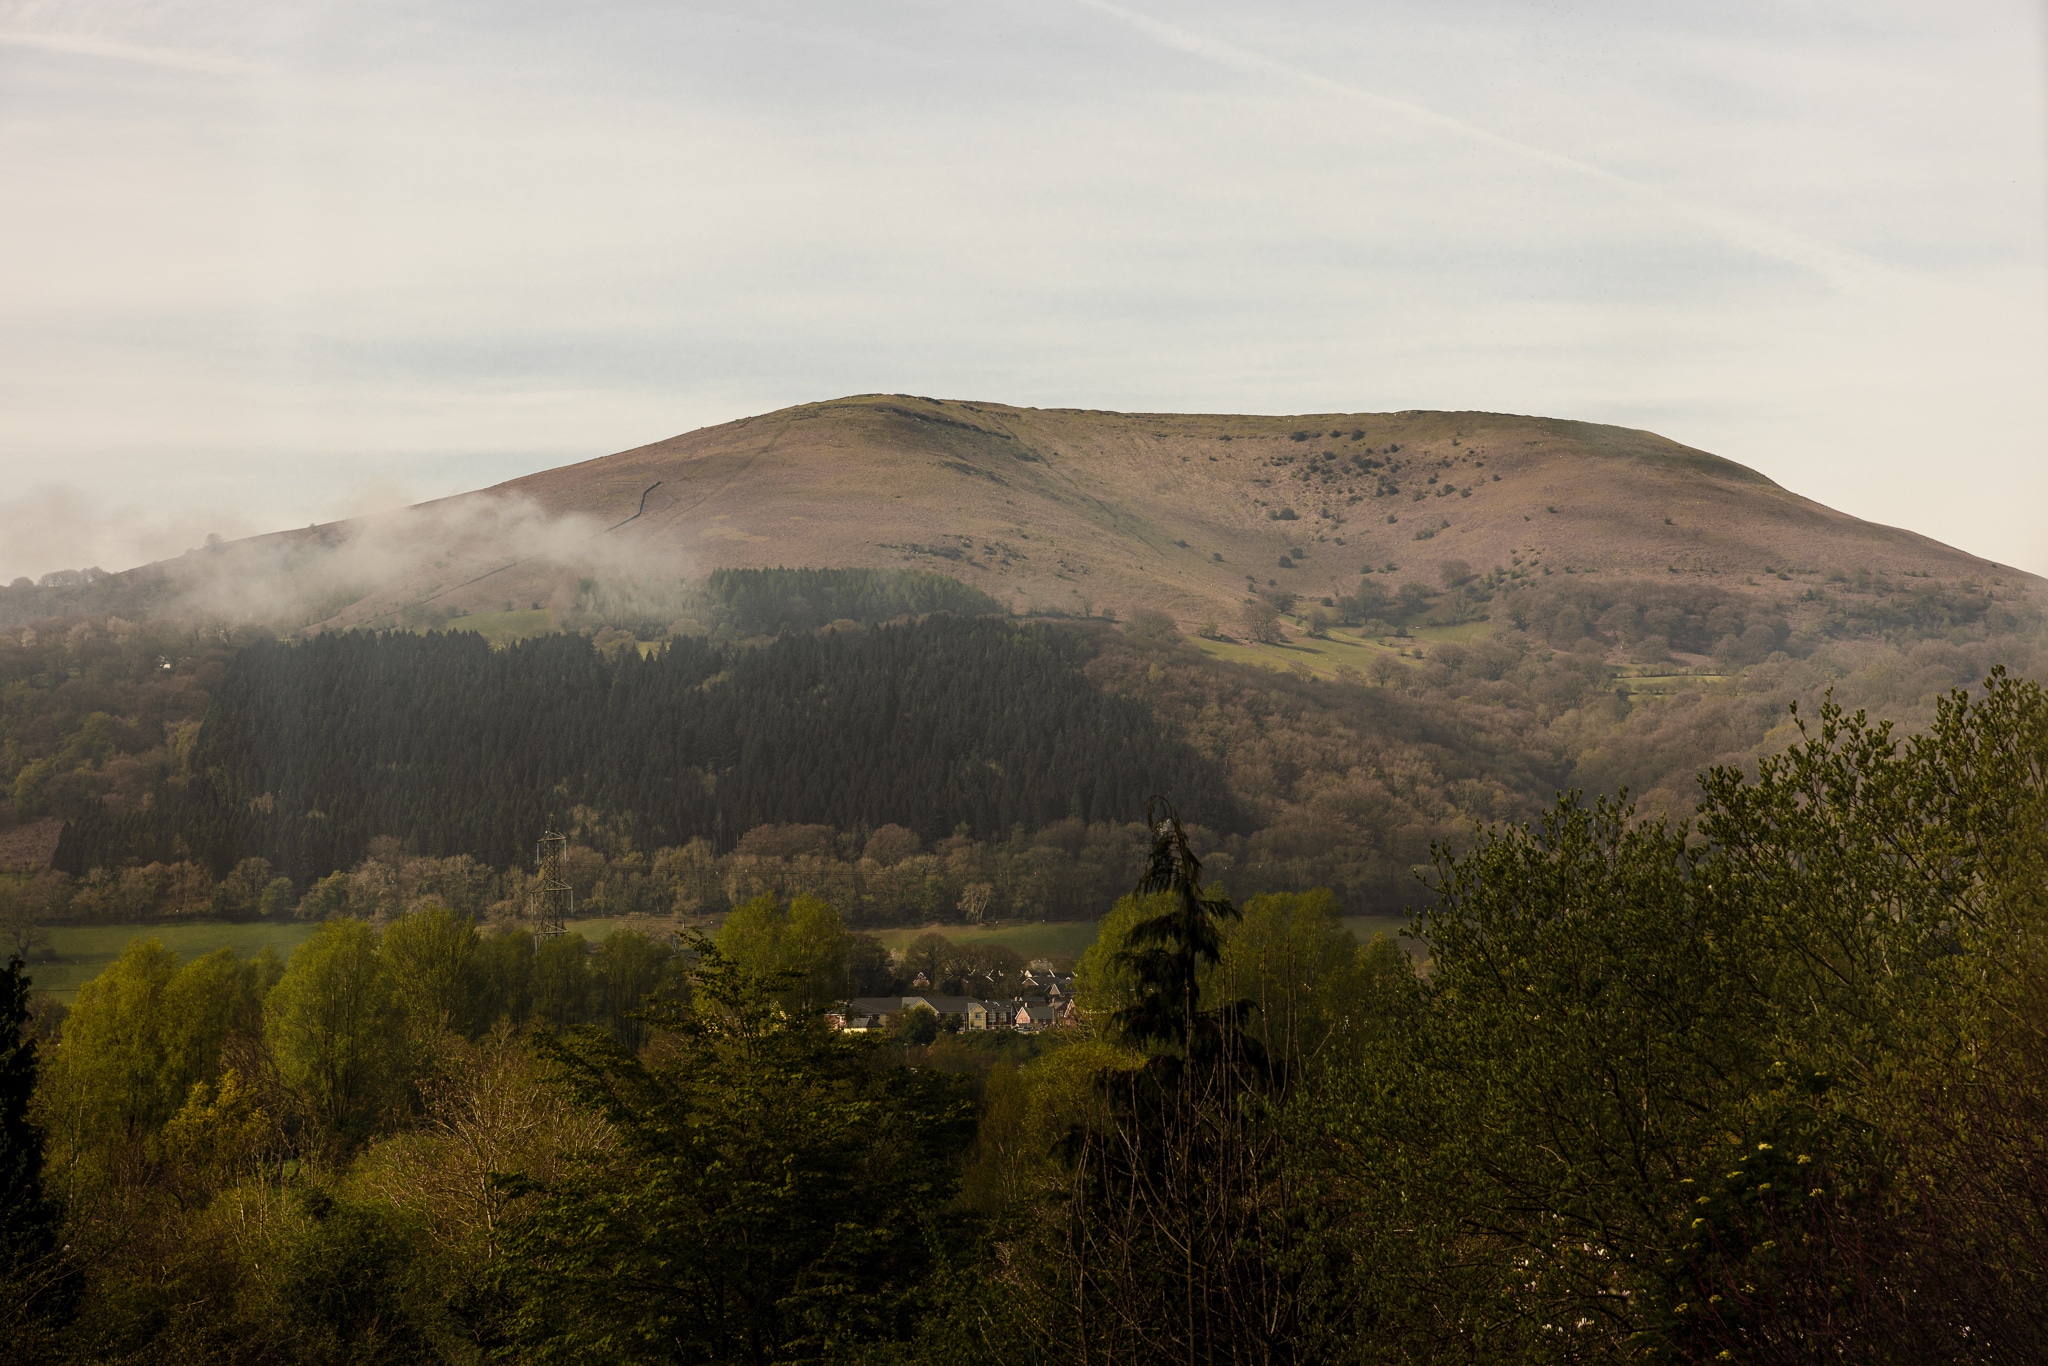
(877,692)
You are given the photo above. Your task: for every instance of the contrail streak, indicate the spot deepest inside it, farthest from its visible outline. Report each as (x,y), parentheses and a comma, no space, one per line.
(181,59)
(1842,267)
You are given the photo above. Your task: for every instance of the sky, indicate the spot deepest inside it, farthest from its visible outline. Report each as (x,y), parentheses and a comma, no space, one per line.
(263,264)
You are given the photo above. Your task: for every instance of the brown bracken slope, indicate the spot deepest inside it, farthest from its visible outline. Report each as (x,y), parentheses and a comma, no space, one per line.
(1070,513)
(1065,511)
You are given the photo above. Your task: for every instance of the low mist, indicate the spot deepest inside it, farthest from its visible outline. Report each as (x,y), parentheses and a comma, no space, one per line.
(413,566)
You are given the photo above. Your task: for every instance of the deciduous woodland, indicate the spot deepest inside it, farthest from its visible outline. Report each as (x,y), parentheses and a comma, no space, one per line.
(791,740)
(1767,1083)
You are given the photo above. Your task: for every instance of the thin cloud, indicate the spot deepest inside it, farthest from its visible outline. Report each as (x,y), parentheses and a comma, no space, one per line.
(1840,266)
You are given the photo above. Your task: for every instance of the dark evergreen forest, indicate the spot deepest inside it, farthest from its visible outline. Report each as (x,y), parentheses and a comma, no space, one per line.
(309,751)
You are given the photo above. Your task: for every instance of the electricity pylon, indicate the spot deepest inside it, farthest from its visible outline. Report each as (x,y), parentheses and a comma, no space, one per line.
(552,900)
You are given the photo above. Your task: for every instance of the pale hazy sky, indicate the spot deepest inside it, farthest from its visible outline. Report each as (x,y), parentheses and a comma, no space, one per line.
(262,264)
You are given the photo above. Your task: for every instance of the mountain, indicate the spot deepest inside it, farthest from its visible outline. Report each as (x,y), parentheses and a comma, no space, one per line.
(1550,605)
(1068,512)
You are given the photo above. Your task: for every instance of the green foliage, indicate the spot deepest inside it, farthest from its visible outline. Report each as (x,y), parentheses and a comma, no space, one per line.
(926,956)
(276,901)
(1030,1113)
(1103,980)
(869,968)
(329,1023)
(100,708)
(31,1294)
(139,1037)
(240,895)
(350,1282)
(1168,1242)
(628,969)
(915,1027)
(260,1165)
(1753,1095)
(801,946)
(1168,948)
(431,956)
(1260,620)
(561,980)
(796,1186)
(504,966)
(1315,996)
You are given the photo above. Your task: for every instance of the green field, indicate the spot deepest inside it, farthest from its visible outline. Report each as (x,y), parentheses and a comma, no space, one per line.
(502,628)
(1664,684)
(1324,657)
(1320,657)
(1059,940)
(1065,940)
(78,953)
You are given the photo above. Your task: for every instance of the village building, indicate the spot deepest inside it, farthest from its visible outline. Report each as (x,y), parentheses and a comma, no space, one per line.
(863,1014)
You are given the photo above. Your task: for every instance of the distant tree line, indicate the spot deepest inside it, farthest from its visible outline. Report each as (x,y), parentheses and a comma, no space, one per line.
(887,877)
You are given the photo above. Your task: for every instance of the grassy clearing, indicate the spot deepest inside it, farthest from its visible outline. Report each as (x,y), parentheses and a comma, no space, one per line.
(1322,658)
(1325,657)
(598,928)
(1059,940)
(1663,685)
(502,628)
(1462,632)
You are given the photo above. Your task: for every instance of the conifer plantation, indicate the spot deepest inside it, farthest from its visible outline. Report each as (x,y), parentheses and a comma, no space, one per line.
(310,751)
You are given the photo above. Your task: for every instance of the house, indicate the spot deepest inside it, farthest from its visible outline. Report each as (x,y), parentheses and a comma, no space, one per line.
(1032,1018)
(972,1013)
(864,1013)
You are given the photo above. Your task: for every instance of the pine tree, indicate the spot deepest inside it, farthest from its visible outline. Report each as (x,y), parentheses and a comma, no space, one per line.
(32,1279)
(1173,1241)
